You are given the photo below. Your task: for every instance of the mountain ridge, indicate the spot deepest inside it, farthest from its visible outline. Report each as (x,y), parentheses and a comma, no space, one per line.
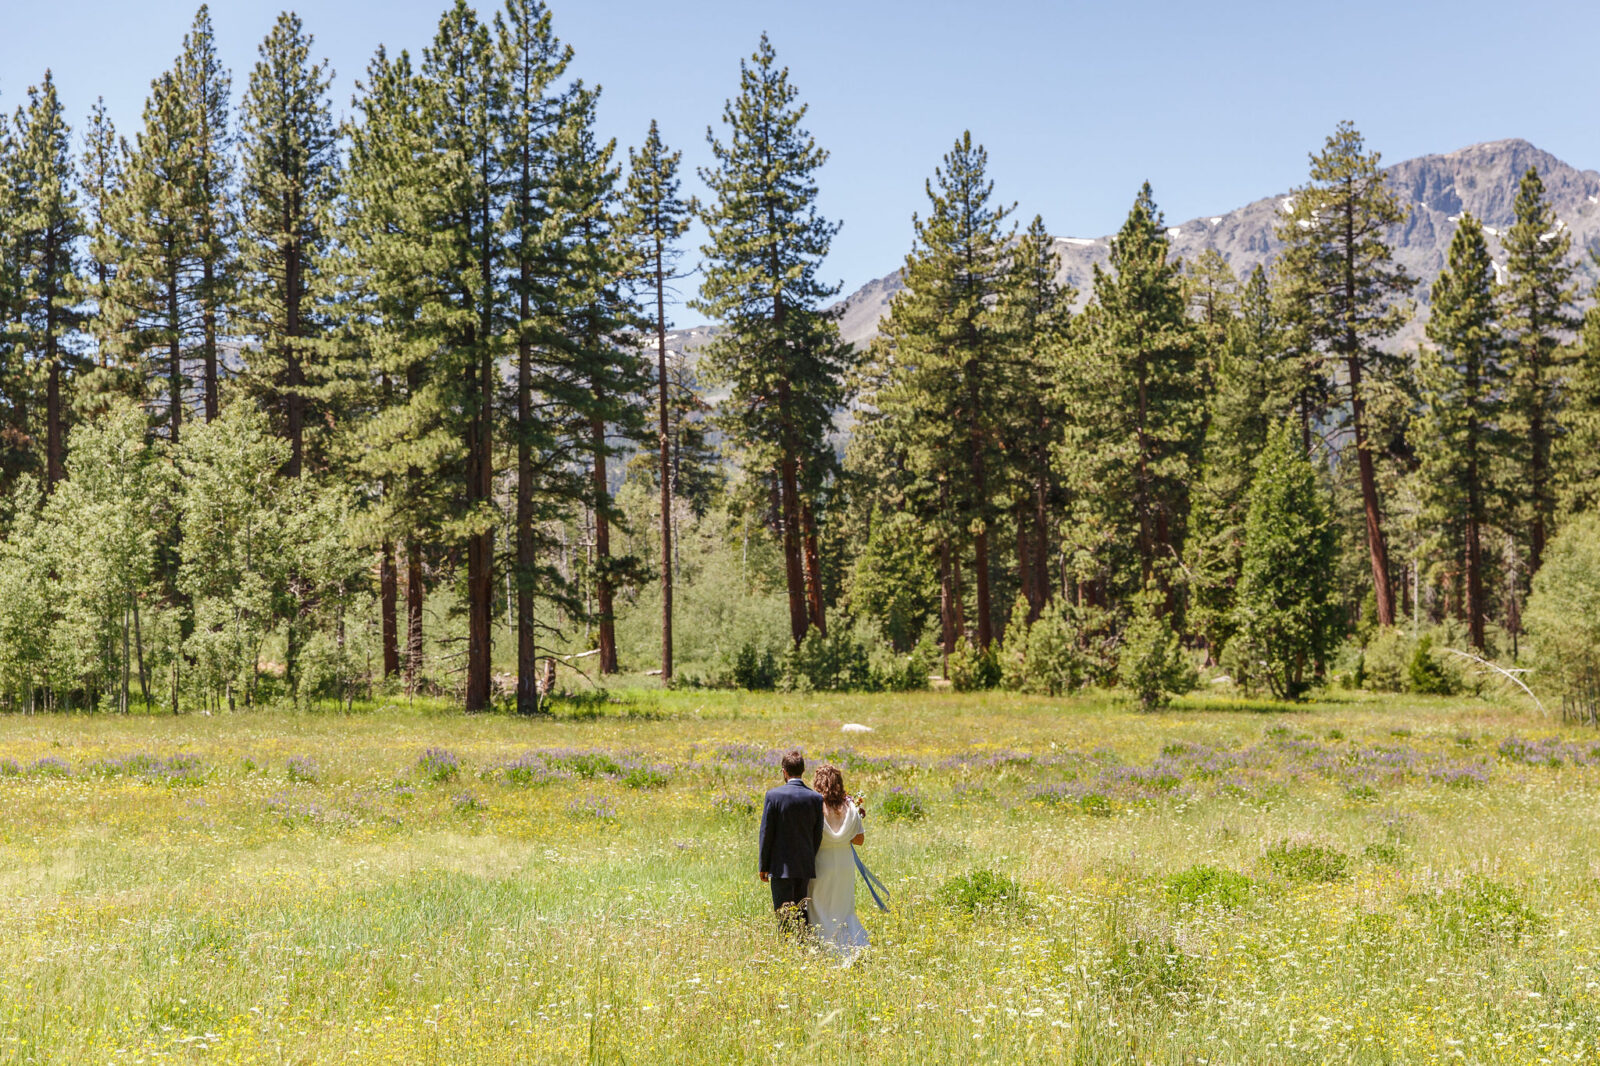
(1480,178)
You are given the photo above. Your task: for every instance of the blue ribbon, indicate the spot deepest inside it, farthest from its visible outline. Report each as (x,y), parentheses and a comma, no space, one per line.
(874,885)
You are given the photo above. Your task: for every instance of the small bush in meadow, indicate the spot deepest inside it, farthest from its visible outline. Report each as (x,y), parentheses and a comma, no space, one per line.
(466,803)
(981,891)
(1199,885)
(50,766)
(973,669)
(1151,968)
(641,776)
(902,805)
(304,769)
(589,764)
(1478,912)
(734,804)
(530,769)
(754,667)
(438,765)
(592,808)
(1307,862)
(1384,852)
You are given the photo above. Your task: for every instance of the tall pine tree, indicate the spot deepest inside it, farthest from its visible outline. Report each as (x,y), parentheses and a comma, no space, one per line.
(1134,412)
(951,380)
(1460,432)
(288,181)
(149,311)
(605,371)
(659,217)
(1038,320)
(533,61)
(48,226)
(1536,309)
(778,350)
(1342,281)
(206,86)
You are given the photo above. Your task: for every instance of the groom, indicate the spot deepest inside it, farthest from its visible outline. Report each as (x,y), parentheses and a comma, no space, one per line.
(791,833)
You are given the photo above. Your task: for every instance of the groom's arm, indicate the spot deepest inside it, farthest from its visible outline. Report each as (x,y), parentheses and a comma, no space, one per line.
(765,842)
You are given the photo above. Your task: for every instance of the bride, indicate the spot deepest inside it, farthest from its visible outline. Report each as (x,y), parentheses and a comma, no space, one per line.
(833,892)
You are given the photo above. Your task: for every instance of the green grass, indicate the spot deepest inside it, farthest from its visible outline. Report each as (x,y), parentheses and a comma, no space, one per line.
(1084,883)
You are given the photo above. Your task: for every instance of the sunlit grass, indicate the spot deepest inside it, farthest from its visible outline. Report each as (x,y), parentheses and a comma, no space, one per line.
(1356,880)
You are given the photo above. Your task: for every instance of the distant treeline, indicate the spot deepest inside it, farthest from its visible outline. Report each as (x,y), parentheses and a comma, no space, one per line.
(272,386)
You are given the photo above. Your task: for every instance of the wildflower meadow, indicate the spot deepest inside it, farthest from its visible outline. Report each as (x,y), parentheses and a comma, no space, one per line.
(1364,879)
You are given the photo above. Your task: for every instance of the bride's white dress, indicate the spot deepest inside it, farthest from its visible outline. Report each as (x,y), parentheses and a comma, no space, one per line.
(833,892)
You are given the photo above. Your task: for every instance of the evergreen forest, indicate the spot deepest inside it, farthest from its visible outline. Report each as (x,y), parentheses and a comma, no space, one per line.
(303,409)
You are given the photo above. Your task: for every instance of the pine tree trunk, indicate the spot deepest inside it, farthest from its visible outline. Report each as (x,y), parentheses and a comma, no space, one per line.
(980,496)
(813,564)
(527,639)
(295,401)
(414,597)
(1142,493)
(387,595)
(54,438)
(480,545)
(1377,552)
(665,469)
(1538,476)
(1024,563)
(1475,608)
(1041,544)
(209,324)
(174,361)
(947,596)
(603,592)
(788,502)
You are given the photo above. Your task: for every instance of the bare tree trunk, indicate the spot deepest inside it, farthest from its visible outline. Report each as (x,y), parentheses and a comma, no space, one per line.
(387,595)
(1377,551)
(480,558)
(527,639)
(665,468)
(209,324)
(1041,546)
(947,598)
(788,491)
(604,594)
(414,597)
(813,565)
(55,435)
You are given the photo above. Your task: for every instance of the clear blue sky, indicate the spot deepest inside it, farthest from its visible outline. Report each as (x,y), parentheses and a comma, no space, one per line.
(1215,104)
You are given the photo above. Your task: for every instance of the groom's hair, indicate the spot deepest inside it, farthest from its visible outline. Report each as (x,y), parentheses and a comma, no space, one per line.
(794,764)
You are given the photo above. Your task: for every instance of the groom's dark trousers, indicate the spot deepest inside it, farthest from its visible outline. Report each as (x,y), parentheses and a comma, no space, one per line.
(791,833)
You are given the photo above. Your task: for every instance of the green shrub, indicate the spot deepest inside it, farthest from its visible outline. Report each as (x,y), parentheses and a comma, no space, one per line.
(1425,674)
(1149,968)
(1206,884)
(1563,613)
(981,891)
(1386,661)
(1151,664)
(1307,862)
(645,777)
(902,805)
(755,667)
(973,669)
(1478,912)
(1042,658)
(1385,852)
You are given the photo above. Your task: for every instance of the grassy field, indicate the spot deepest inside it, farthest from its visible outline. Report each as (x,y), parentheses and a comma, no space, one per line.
(1360,881)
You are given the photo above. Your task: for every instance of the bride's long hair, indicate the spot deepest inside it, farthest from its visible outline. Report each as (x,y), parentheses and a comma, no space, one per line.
(830,782)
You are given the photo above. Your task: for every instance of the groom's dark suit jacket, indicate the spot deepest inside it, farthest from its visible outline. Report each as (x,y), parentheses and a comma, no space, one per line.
(791,831)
